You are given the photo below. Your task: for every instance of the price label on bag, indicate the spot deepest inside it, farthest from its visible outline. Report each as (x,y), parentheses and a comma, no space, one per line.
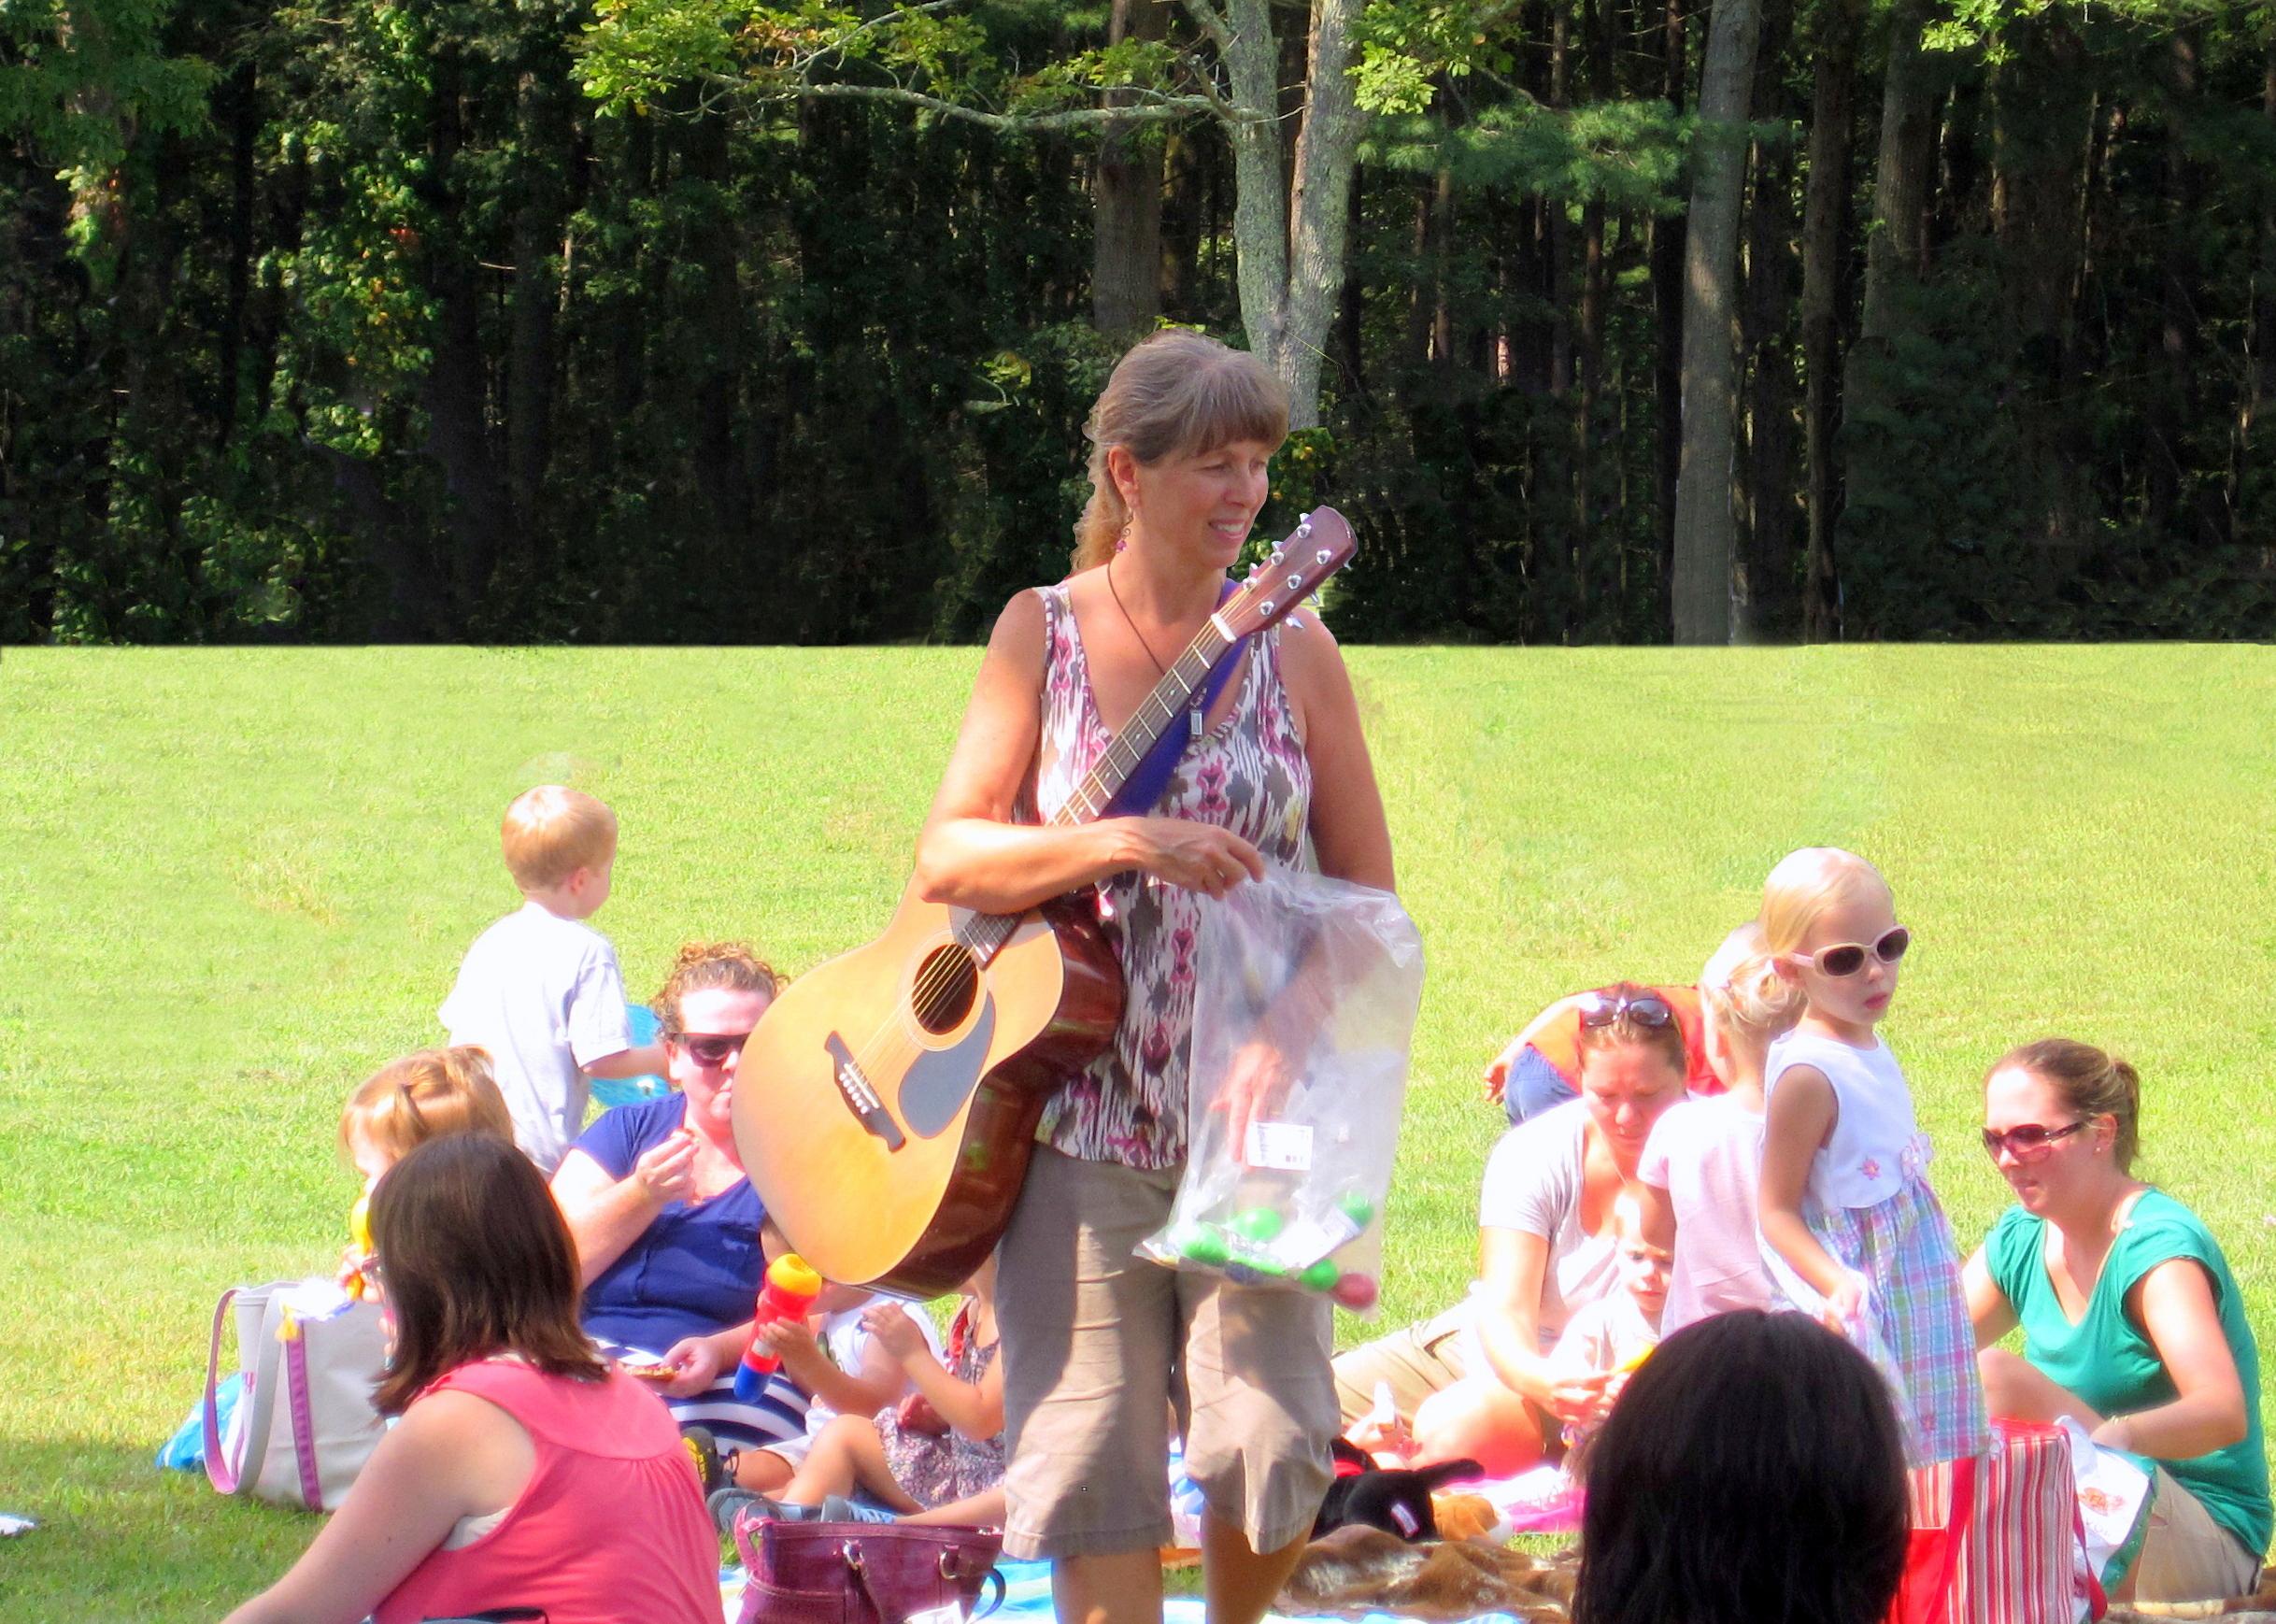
(1286,1145)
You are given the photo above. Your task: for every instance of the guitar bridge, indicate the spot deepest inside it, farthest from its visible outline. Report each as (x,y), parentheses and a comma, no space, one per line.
(860,1098)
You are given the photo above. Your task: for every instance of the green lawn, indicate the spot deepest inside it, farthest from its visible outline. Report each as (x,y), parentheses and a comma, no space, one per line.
(231,882)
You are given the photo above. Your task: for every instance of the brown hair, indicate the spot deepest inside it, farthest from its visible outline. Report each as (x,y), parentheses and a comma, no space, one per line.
(1176,391)
(2092,1082)
(425,1095)
(475,1261)
(550,832)
(704,967)
(1626,1031)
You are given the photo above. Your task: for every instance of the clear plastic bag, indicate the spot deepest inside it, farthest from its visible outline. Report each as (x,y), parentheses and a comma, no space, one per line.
(1303,1011)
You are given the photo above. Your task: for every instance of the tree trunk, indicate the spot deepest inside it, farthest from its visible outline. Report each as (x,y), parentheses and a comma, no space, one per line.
(544,144)
(2254,430)
(1825,213)
(456,392)
(1126,199)
(1897,250)
(2173,398)
(241,96)
(1668,232)
(1290,242)
(1762,599)
(1705,526)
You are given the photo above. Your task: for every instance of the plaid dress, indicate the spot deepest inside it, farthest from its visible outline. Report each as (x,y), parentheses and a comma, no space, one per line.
(1912,1322)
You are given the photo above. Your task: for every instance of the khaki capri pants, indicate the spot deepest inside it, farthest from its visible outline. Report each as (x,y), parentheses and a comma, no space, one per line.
(1099,1345)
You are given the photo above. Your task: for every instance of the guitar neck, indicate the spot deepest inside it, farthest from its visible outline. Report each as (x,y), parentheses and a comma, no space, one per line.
(1170,695)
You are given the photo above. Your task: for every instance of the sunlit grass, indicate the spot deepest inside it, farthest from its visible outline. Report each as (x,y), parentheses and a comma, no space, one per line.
(233,882)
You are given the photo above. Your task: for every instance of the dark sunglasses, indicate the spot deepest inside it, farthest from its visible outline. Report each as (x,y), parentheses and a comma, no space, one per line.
(711,1048)
(2027,1143)
(1643,1008)
(1849,957)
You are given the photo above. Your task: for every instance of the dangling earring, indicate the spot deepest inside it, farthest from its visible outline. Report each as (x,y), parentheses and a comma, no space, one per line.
(1122,536)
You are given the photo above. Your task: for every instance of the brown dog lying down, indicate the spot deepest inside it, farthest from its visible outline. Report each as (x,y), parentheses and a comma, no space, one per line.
(1364,1570)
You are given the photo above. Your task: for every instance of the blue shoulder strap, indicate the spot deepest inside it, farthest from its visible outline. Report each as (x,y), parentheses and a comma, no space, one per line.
(1152,776)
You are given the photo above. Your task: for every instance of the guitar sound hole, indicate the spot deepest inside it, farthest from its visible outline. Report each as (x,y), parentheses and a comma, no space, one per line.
(946,984)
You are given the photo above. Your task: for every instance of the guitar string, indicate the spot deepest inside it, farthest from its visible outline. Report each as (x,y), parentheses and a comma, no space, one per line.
(891,1042)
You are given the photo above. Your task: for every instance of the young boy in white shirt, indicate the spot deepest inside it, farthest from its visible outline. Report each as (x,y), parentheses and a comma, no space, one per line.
(540,989)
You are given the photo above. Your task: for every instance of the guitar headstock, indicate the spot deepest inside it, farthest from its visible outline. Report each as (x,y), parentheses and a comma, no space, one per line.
(1290,573)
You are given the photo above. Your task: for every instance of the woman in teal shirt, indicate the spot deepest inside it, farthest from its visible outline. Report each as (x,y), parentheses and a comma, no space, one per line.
(2132,1323)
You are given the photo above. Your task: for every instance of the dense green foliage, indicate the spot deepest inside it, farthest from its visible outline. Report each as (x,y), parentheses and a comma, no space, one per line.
(233,882)
(372,319)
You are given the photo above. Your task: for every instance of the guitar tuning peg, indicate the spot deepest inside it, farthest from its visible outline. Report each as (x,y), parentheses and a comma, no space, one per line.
(1321,556)
(1268,607)
(1295,582)
(1275,558)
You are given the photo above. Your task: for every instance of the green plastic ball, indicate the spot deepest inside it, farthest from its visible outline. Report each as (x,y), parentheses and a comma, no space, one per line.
(1319,1276)
(1357,1208)
(1199,1243)
(1260,1224)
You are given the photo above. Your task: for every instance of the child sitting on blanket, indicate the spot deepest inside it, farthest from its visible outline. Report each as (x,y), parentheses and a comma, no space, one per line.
(843,1370)
(425,1095)
(1613,1335)
(939,1457)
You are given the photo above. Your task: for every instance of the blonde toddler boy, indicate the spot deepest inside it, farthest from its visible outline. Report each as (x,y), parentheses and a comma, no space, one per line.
(540,989)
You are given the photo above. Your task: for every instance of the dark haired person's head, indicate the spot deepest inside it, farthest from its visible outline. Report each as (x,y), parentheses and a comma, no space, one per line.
(474,1261)
(1751,1473)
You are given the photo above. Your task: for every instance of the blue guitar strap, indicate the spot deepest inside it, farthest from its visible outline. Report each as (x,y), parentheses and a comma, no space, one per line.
(1152,776)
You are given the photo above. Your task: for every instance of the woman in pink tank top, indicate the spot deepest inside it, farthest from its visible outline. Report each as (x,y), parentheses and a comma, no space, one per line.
(524,1472)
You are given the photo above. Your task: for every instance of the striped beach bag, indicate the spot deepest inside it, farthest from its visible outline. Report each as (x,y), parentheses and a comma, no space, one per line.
(1995,1540)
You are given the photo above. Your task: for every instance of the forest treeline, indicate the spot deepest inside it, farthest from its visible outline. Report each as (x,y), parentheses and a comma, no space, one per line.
(704,321)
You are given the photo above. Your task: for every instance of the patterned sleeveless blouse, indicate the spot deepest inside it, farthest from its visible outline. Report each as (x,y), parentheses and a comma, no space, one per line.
(1248,775)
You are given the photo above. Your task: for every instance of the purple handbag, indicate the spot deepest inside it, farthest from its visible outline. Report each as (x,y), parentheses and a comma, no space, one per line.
(865,1573)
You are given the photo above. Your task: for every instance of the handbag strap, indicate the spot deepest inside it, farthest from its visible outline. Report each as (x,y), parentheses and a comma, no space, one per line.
(852,1552)
(304,1423)
(254,1410)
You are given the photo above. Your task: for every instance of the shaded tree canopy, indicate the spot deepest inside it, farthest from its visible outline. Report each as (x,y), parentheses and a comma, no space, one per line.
(715,320)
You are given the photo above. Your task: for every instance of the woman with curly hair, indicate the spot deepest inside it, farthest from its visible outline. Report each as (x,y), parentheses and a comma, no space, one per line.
(671,1237)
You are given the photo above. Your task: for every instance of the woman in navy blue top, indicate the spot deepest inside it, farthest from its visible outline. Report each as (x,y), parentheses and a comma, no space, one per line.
(670,1238)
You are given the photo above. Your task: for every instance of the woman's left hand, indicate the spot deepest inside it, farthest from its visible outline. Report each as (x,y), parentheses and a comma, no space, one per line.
(1251,1092)
(696,1363)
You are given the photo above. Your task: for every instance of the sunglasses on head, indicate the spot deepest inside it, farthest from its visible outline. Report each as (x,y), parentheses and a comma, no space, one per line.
(711,1048)
(1643,1008)
(2027,1143)
(1848,958)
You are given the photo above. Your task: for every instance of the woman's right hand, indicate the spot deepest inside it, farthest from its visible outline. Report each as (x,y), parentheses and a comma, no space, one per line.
(666,1171)
(1198,856)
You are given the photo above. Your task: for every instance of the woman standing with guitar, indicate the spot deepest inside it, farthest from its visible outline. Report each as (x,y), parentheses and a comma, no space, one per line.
(1096,1341)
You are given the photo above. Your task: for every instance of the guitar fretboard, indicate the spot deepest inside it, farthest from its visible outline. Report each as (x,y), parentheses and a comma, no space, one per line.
(985,933)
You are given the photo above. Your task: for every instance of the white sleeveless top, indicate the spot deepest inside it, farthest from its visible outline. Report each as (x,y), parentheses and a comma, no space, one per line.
(1876,1146)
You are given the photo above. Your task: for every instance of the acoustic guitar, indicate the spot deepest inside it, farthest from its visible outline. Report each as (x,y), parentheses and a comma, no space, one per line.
(886,1103)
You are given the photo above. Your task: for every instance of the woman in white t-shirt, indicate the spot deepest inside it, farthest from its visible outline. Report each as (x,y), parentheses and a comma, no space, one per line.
(1476,1381)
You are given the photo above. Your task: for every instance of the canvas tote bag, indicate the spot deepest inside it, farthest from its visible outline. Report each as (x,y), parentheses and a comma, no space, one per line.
(305,1424)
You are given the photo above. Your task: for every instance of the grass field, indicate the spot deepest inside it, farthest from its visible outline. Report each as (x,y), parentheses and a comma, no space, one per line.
(231,882)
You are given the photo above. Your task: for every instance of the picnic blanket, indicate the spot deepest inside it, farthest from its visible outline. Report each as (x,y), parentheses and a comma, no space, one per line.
(1028,1596)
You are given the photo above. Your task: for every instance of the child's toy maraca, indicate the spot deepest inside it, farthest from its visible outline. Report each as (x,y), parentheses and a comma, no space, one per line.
(788,1293)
